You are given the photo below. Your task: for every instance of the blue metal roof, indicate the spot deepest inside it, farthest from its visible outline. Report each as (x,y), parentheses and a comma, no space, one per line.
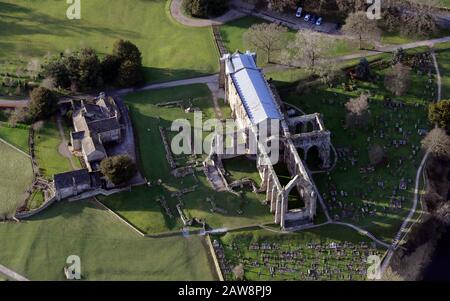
(253,89)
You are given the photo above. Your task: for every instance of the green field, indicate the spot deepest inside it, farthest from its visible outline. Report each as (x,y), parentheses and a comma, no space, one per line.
(306,249)
(15,179)
(108,249)
(33,29)
(140,206)
(49,159)
(16,136)
(361,187)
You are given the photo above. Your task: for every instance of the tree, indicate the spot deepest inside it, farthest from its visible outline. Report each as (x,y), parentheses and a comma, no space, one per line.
(377,155)
(418,18)
(358,25)
(89,70)
(328,72)
(130,58)
(110,67)
(57,70)
(239,272)
(196,8)
(19,115)
(357,110)
(307,48)
(267,37)
(413,17)
(363,71)
(398,80)
(129,74)
(439,113)
(350,6)
(118,169)
(43,103)
(437,142)
(399,56)
(127,51)
(281,5)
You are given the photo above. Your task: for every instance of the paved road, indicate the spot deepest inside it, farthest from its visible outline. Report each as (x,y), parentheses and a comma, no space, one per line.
(11,274)
(190,81)
(13,104)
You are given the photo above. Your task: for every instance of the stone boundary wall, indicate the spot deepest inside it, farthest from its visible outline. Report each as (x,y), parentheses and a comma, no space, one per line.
(119,217)
(28,214)
(214,257)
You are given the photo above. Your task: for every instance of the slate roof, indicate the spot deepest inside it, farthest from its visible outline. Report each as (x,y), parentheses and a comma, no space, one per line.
(252,87)
(67,180)
(78,135)
(91,145)
(103,125)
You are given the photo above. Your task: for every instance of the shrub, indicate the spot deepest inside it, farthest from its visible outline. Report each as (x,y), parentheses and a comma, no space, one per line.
(118,169)
(439,113)
(43,103)
(205,8)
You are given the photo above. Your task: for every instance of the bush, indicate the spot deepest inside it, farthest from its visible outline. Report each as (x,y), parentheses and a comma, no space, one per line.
(129,74)
(43,104)
(110,67)
(205,8)
(377,155)
(118,169)
(439,113)
(127,51)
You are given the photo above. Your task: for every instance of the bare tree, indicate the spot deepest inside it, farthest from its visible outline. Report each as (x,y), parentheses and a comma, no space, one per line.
(398,79)
(357,110)
(239,272)
(266,37)
(280,5)
(359,26)
(328,72)
(438,143)
(33,68)
(307,48)
(349,6)
(413,17)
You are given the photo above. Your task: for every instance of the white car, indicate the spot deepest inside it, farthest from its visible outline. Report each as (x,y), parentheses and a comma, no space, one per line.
(307,17)
(319,21)
(298,14)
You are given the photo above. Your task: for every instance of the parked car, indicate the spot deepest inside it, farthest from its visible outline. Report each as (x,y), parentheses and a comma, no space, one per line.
(307,17)
(313,19)
(319,21)
(299,12)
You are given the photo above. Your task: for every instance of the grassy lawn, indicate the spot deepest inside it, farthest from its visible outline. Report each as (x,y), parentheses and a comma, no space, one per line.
(362,188)
(16,177)
(47,141)
(108,249)
(140,206)
(233,36)
(443,57)
(307,249)
(32,29)
(16,136)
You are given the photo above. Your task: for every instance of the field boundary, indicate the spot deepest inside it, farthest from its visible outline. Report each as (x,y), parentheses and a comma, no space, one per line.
(15,148)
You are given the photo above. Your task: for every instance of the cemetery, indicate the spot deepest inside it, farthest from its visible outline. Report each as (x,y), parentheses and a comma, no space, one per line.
(311,255)
(375,194)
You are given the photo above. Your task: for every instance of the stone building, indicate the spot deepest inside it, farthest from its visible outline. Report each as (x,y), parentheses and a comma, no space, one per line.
(96,123)
(74,183)
(253,103)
